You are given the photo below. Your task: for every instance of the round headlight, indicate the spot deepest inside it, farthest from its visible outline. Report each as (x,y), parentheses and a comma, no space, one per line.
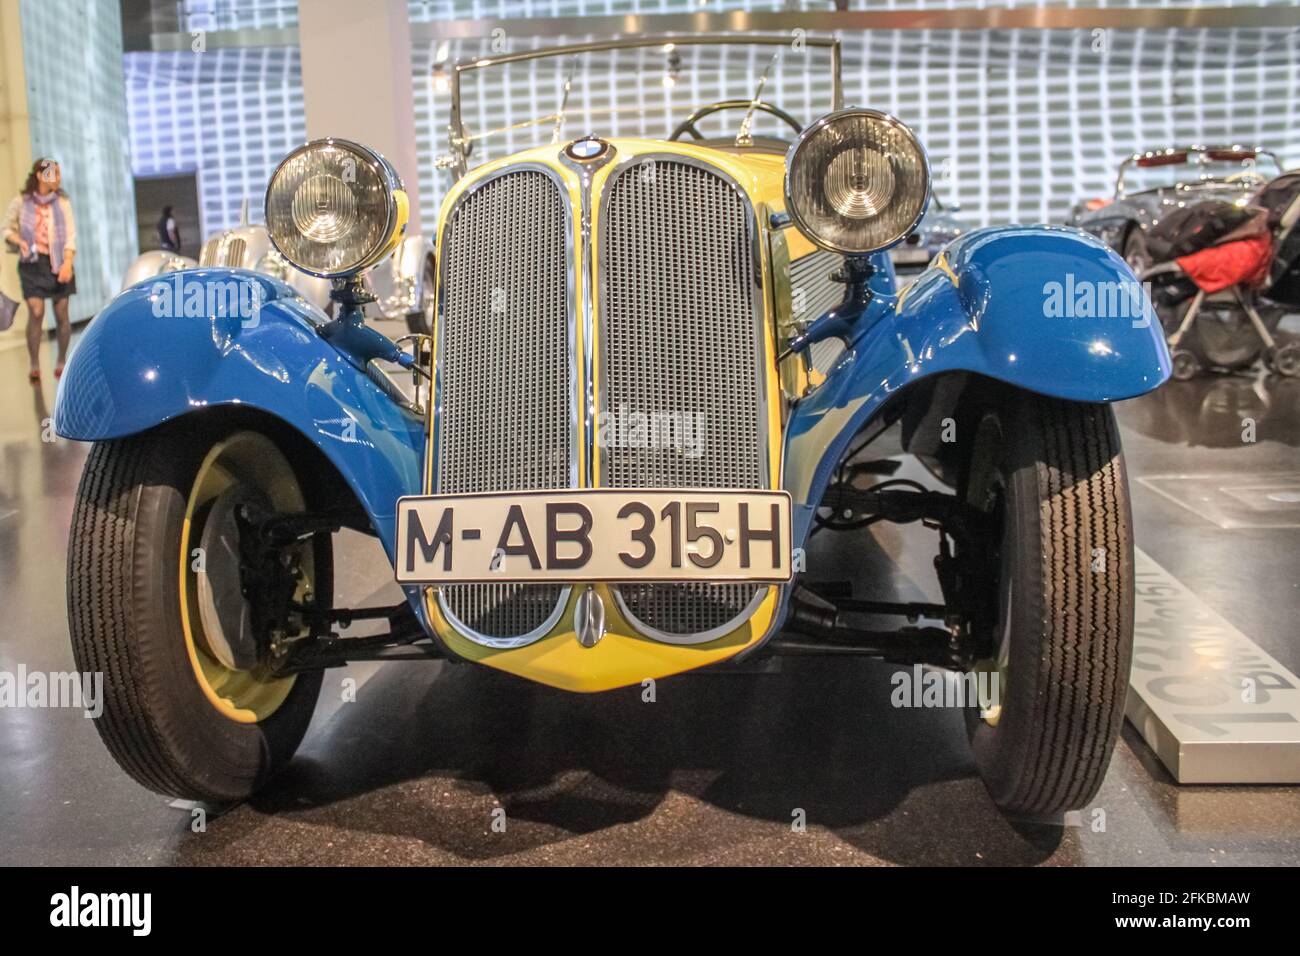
(856,181)
(332,208)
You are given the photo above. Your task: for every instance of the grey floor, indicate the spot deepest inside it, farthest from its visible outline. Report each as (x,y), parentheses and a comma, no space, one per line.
(713,772)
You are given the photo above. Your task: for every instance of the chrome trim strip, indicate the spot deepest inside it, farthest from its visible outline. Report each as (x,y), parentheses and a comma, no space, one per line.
(586,172)
(637,42)
(1016,18)
(436,402)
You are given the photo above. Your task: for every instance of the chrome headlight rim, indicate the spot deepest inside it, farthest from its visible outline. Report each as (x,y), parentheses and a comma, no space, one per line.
(888,119)
(388,177)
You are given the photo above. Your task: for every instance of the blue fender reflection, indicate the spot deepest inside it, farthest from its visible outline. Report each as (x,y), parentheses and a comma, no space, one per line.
(992,304)
(139,364)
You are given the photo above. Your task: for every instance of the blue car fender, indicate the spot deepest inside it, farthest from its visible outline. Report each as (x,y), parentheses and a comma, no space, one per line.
(1048,309)
(148,358)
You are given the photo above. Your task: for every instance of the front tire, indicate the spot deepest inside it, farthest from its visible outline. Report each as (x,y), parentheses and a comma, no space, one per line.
(175,718)
(1050,474)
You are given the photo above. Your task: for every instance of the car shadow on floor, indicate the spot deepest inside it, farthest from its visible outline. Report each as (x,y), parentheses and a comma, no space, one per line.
(428,751)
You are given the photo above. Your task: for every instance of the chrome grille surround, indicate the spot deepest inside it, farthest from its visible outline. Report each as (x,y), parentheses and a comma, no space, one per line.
(681,331)
(506,388)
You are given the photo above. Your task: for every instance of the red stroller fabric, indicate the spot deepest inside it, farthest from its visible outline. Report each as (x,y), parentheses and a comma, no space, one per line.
(1243,262)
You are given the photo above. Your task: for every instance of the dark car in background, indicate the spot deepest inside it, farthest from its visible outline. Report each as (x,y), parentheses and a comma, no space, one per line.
(938,228)
(1151,184)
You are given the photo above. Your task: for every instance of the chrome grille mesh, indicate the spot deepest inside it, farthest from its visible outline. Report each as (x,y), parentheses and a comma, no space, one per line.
(679,344)
(219,251)
(235,253)
(504,369)
(812,292)
(208,255)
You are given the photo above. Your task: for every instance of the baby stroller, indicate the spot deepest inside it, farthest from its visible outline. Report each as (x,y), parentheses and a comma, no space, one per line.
(1237,268)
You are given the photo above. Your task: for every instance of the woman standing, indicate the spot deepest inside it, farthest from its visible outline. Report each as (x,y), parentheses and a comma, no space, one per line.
(40,222)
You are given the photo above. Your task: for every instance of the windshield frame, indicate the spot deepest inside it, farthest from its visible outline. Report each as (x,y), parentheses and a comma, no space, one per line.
(1196,157)
(458,138)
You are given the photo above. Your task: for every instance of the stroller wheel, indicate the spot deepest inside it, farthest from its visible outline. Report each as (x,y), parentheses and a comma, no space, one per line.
(1186,364)
(1285,359)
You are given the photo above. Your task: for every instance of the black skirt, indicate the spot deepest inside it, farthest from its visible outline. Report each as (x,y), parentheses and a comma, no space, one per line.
(40,281)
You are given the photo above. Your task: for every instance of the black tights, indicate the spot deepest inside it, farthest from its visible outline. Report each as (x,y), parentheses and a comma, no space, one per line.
(36,328)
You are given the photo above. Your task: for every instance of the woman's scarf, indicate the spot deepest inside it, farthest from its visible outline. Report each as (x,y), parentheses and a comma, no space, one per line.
(58,228)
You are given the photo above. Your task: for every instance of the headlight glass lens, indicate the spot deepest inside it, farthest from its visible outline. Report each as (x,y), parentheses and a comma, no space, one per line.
(329,208)
(858,181)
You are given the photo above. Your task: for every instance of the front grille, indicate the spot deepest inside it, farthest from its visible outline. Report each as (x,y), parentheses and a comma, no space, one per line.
(208,256)
(504,370)
(680,348)
(219,251)
(812,293)
(234,257)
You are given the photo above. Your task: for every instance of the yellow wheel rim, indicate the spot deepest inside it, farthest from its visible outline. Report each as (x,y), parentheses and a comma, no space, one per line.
(990,711)
(245,696)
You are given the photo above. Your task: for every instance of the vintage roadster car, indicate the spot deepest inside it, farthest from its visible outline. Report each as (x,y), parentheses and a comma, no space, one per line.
(1151,184)
(623,448)
(403,286)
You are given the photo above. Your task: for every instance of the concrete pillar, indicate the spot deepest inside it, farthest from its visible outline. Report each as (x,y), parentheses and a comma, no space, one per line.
(15,149)
(64,96)
(356,80)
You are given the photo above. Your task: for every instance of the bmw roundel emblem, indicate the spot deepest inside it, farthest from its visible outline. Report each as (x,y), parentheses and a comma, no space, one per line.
(586,149)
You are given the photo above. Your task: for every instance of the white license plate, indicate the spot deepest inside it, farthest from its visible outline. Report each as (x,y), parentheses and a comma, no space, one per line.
(594,534)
